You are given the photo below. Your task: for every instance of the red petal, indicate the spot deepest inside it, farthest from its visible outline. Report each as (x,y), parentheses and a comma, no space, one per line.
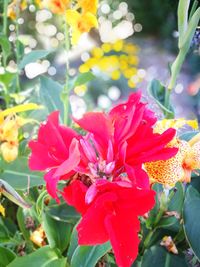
(51,184)
(74,195)
(122,228)
(100,125)
(91,229)
(73,160)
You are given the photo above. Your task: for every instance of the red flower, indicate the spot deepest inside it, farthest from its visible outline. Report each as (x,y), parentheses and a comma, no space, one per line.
(107,183)
(53,147)
(111,214)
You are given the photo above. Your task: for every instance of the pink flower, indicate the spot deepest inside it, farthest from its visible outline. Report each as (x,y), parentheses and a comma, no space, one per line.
(107,184)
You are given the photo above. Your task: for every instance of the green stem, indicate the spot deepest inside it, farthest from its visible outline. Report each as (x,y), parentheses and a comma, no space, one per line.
(66,89)
(175,70)
(5,25)
(5,18)
(17,47)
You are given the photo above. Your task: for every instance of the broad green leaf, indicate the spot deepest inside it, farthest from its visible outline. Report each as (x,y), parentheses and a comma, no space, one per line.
(50,92)
(159,257)
(58,263)
(157,91)
(85,256)
(84,78)
(12,195)
(18,175)
(191,218)
(63,213)
(73,243)
(33,56)
(42,257)
(58,233)
(6,256)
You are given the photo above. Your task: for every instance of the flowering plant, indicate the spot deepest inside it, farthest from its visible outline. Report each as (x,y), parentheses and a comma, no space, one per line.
(107,188)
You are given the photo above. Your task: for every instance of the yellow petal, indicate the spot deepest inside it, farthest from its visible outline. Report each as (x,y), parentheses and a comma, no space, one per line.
(20,108)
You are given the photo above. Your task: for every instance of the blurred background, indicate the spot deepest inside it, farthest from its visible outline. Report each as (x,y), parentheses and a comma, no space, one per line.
(135,43)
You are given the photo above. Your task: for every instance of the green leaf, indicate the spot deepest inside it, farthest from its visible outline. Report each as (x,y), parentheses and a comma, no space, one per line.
(42,257)
(12,195)
(33,56)
(85,256)
(188,135)
(50,92)
(193,23)
(7,78)
(73,243)
(58,263)
(57,232)
(64,213)
(157,91)
(191,218)
(159,257)
(21,219)
(5,45)
(183,8)
(18,175)
(6,256)
(84,78)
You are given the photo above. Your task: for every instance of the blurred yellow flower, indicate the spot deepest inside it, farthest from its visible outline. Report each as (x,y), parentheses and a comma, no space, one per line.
(13,8)
(180,167)
(2,210)
(80,23)
(88,6)
(164,124)
(57,6)
(115,60)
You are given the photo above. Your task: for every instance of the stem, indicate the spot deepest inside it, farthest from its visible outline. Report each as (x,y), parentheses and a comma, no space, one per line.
(5,18)
(175,70)
(5,26)
(17,47)
(65,93)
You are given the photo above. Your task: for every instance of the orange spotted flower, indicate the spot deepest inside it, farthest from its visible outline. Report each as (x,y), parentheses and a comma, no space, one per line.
(179,167)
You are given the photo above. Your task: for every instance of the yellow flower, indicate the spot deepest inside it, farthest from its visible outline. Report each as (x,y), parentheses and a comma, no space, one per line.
(9,151)
(115,64)
(9,126)
(164,124)
(80,23)
(88,6)
(57,6)
(179,167)
(2,210)
(12,8)
(38,237)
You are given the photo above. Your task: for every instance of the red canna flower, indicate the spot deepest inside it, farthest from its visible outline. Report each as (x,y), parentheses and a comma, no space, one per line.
(107,184)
